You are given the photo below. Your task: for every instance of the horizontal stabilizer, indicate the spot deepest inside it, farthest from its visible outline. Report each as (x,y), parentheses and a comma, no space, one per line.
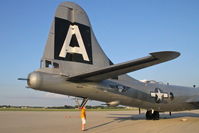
(129,66)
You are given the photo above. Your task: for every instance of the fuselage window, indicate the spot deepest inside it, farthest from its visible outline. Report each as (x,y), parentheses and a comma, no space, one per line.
(48,64)
(55,65)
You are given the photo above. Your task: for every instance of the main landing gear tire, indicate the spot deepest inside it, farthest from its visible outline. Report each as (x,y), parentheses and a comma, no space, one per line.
(156,115)
(149,115)
(152,116)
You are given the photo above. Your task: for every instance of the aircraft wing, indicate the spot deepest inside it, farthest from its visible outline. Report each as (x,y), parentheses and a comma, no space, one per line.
(129,66)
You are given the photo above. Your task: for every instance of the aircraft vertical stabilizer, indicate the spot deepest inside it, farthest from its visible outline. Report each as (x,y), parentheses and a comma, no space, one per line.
(71,42)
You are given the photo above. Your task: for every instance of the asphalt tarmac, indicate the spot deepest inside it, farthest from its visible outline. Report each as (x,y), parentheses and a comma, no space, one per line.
(97,122)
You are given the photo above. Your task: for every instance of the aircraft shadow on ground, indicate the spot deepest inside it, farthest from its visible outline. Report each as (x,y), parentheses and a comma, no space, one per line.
(119,119)
(179,115)
(123,117)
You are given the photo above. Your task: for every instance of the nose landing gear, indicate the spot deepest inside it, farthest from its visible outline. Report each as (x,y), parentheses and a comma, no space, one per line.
(152,115)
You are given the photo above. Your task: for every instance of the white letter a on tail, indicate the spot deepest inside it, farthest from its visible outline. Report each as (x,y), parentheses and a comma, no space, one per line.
(66,48)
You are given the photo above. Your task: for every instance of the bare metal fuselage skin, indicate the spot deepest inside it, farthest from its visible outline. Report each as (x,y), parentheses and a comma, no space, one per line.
(74,64)
(131,92)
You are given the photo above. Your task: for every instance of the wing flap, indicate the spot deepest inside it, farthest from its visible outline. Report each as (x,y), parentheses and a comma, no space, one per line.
(122,68)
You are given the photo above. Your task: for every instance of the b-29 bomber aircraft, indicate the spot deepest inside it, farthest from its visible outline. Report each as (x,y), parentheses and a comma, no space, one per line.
(74,64)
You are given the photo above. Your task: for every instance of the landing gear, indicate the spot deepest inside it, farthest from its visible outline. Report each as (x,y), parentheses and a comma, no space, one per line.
(152,116)
(149,115)
(156,115)
(84,101)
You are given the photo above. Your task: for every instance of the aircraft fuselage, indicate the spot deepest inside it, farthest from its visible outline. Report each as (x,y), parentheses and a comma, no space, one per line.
(150,96)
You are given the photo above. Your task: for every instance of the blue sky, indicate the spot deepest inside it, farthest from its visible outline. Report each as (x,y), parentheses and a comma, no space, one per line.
(125,29)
